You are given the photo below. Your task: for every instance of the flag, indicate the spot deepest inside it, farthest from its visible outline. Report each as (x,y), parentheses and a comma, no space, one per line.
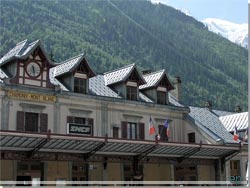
(166,125)
(246,136)
(236,135)
(151,127)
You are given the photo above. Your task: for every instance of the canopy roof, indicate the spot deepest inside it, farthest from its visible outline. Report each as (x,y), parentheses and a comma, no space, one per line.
(55,143)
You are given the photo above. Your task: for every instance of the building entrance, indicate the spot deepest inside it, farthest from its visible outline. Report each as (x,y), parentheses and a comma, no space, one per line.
(29,173)
(185,173)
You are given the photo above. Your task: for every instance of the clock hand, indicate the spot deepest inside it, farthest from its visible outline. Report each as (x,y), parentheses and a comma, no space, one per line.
(33,69)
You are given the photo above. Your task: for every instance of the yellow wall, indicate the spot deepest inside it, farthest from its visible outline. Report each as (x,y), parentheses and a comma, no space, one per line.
(155,172)
(95,174)
(57,170)
(114,172)
(7,170)
(206,173)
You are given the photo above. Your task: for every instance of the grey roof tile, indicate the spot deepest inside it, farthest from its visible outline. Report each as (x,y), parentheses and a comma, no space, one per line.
(221,113)
(2,74)
(152,79)
(173,100)
(144,98)
(14,52)
(97,86)
(118,75)
(67,65)
(203,118)
(240,120)
(54,81)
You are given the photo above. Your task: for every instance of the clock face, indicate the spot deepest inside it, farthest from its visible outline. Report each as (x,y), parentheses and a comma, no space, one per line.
(33,69)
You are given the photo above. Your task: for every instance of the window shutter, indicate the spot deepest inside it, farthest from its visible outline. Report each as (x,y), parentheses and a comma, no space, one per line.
(141,131)
(124,129)
(43,123)
(70,119)
(91,122)
(20,121)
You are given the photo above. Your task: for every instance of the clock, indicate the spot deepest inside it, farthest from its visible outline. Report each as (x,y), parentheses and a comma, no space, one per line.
(33,69)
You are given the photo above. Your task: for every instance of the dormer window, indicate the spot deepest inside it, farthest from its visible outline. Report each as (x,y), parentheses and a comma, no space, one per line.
(161,97)
(132,91)
(80,83)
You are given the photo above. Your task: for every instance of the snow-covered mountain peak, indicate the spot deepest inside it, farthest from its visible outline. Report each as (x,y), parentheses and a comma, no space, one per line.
(237,33)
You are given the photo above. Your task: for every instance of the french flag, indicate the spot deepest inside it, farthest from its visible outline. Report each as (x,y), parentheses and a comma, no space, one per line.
(166,125)
(151,127)
(236,135)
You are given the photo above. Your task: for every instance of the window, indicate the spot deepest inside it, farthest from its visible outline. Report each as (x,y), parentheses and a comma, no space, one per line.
(132,130)
(191,137)
(131,93)
(79,120)
(161,97)
(115,132)
(80,85)
(163,133)
(31,122)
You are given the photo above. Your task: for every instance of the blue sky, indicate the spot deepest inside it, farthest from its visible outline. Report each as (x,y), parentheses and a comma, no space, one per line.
(231,10)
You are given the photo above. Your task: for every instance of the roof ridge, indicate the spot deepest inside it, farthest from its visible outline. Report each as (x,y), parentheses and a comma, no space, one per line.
(162,70)
(24,41)
(67,60)
(120,68)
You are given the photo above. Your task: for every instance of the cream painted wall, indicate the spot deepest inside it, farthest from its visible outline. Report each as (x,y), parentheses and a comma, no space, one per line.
(7,170)
(188,128)
(57,170)
(114,172)
(154,172)
(206,173)
(95,174)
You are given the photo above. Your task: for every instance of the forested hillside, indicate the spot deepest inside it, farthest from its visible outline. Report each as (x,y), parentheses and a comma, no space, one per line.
(115,33)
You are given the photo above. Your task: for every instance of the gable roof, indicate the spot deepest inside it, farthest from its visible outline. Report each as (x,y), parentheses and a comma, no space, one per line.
(121,74)
(210,123)
(22,50)
(14,52)
(69,65)
(153,79)
(240,120)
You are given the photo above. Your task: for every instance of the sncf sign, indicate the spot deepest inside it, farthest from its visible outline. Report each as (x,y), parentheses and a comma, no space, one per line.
(73,128)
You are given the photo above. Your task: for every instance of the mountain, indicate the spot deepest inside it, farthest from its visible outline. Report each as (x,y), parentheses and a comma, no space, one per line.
(115,33)
(237,33)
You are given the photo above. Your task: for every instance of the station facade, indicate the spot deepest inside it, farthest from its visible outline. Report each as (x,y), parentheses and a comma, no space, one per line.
(62,122)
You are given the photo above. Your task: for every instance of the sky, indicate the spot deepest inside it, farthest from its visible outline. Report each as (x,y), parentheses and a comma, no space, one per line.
(231,10)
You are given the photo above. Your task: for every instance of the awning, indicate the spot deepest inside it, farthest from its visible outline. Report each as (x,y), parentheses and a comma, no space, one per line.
(32,142)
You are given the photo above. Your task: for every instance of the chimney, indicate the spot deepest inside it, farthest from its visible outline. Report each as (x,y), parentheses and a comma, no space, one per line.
(238,109)
(147,71)
(177,91)
(208,105)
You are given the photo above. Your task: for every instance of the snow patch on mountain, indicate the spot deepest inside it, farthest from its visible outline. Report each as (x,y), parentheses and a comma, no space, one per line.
(237,33)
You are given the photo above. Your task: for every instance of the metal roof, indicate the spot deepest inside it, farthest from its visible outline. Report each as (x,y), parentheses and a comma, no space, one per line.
(173,100)
(97,86)
(210,123)
(109,146)
(120,74)
(117,75)
(240,120)
(67,65)
(14,52)
(221,112)
(153,79)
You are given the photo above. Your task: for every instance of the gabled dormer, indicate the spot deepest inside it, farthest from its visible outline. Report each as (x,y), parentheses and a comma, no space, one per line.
(157,87)
(73,75)
(27,64)
(125,81)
